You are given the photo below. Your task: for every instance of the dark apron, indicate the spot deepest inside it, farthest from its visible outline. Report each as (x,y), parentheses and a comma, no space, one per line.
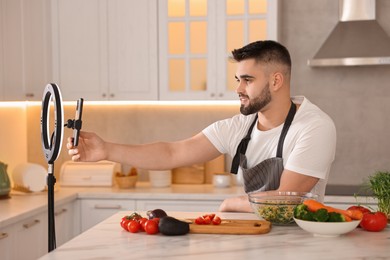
(265,175)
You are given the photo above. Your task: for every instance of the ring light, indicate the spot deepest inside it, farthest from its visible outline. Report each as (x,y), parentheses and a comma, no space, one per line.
(52,144)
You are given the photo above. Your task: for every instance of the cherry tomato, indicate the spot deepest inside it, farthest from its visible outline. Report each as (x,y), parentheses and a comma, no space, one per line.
(216,220)
(211,216)
(133,226)
(207,220)
(151,227)
(142,222)
(374,221)
(157,220)
(199,221)
(124,223)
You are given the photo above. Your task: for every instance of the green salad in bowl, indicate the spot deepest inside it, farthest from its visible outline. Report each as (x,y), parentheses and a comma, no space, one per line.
(277,207)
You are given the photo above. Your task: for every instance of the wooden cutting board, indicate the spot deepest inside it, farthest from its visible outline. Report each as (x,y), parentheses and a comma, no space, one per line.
(232,226)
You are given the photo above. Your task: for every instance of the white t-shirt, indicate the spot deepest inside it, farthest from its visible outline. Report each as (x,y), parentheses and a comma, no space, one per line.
(309,147)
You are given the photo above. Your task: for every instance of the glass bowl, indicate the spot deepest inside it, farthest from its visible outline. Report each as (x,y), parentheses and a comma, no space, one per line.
(277,207)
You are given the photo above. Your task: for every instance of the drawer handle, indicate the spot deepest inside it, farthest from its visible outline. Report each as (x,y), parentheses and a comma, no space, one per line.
(31,224)
(60,212)
(3,235)
(108,206)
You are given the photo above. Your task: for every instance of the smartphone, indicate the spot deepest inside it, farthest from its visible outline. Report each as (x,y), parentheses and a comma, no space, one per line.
(77,121)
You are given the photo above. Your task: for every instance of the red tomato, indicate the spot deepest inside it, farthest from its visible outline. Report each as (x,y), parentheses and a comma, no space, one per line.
(124,223)
(151,227)
(142,222)
(216,220)
(207,220)
(133,226)
(374,221)
(199,221)
(211,216)
(157,220)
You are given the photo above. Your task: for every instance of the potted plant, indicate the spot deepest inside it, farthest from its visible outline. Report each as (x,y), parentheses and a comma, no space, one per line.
(379,184)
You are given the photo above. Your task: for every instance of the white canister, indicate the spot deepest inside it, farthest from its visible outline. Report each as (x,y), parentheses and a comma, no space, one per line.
(160,179)
(29,176)
(221,180)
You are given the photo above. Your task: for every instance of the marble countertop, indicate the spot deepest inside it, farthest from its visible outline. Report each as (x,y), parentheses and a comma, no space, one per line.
(108,240)
(22,205)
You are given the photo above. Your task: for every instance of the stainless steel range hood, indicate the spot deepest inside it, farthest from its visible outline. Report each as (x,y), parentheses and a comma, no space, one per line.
(357,40)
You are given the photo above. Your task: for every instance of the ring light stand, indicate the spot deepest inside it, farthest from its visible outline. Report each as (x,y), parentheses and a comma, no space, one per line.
(52,146)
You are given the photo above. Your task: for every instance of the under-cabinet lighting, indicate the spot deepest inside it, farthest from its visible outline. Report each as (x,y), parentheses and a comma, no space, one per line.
(19,104)
(141,102)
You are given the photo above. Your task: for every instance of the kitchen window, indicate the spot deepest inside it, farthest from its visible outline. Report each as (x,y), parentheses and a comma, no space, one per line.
(196,38)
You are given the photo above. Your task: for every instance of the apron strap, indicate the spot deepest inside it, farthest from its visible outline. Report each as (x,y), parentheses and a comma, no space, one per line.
(241,149)
(287,123)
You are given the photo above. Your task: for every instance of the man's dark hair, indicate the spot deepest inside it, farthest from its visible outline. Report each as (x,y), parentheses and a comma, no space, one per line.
(264,52)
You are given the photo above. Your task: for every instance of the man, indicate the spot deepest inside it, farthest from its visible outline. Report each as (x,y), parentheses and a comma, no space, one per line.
(278,142)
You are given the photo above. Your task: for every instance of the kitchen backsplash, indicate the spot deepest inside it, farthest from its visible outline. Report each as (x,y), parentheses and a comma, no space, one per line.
(21,134)
(131,124)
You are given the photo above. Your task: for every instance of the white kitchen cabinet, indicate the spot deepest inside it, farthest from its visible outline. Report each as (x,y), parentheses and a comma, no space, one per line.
(94,211)
(6,243)
(105,49)
(178,205)
(28,238)
(24,49)
(196,39)
(65,222)
(31,235)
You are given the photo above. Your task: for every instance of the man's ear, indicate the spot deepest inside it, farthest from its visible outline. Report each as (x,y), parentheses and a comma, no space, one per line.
(277,80)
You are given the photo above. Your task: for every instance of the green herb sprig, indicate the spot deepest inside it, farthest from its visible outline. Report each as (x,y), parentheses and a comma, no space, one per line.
(379,183)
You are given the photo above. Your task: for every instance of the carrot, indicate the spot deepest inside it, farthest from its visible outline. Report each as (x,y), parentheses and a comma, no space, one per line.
(355,214)
(314,205)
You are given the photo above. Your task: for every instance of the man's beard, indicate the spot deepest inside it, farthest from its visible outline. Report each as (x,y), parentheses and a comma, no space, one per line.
(258,103)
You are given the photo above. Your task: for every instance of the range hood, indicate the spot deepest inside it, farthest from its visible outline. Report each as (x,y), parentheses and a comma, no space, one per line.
(357,39)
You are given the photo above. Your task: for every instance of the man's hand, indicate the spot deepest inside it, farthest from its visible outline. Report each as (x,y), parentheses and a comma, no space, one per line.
(91,148)
(236,204)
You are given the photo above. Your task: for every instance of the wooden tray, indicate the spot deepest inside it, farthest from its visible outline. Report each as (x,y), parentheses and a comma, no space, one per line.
(232,226)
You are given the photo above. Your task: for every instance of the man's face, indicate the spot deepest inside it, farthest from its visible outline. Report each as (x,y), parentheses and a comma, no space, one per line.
(253,87)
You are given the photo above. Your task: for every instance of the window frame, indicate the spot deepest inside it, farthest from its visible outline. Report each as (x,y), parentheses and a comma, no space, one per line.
(216,55)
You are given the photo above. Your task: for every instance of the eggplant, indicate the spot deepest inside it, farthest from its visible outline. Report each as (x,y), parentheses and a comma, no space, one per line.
(156,213)
(171,226)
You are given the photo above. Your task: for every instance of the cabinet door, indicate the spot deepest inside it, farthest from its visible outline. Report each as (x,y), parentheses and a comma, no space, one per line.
(80,63)
(132,42)
(24,49)
(96,210)
(31,234)
(105,49)
(6,243)
(64,221)
(179,205)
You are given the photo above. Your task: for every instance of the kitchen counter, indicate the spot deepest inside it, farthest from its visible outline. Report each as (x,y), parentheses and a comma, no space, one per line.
(22,205)
(108,240)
